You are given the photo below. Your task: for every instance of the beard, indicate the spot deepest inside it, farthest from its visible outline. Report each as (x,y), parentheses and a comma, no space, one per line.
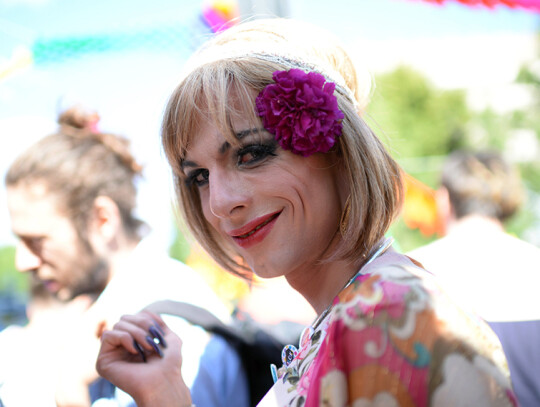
(93,281)
(90,275)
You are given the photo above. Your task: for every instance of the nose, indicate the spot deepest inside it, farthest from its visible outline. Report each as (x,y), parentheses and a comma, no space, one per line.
(26,259)
(228,195)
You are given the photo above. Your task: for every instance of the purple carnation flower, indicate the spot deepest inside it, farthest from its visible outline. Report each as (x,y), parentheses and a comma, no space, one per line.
(300,109)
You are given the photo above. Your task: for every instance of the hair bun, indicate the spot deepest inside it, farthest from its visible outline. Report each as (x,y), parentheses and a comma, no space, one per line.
(79,118)
(82,123)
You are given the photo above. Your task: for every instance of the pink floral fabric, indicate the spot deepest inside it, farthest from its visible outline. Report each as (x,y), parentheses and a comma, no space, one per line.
(394,339)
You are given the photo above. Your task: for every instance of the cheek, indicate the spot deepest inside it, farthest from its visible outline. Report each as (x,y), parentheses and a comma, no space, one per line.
(55,251)
(207,217)
(205,207)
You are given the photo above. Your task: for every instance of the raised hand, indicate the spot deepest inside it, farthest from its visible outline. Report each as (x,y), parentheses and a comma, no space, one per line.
(142,356)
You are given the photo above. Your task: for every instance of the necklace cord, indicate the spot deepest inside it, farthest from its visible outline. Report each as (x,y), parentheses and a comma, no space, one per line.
(380,250)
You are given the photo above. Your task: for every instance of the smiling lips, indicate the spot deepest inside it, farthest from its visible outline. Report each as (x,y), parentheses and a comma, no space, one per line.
(255,231)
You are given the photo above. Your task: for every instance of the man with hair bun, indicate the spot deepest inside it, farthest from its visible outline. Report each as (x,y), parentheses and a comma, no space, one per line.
(72,198)
(486,270)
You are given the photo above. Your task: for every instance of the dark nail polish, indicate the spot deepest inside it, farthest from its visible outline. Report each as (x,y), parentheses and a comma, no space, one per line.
(150,340)
(160,329)
(154,331)
(140,350)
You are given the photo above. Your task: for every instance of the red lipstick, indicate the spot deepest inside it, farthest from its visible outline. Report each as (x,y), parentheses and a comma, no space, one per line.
(254,231)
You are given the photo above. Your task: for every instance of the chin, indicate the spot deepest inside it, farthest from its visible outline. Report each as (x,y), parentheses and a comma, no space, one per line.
(266,276)
(264,271)
(64,296)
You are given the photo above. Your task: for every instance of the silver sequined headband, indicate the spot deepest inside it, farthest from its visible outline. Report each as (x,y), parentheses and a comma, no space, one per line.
(286,60)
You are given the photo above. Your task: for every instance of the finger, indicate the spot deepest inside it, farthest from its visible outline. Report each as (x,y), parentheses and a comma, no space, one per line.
(115,339)
(158,321)
(154,343)
(145,319)
(140,350)
(157,334)
(132,326)
(147,329)
(141,320)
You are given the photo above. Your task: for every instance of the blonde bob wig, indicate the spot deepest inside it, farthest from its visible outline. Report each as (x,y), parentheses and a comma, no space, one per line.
(223,79)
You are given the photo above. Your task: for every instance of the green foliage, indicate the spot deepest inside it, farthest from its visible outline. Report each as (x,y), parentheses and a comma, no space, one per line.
(408,239)
(530,172)
(180,248)
(488,129)
(7,259)
(526,75)
(421,124)
(530,119)
(521,221)
(10,278)
(417,118)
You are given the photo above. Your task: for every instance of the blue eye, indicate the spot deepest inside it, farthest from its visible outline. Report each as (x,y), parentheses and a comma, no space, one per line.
(197,177)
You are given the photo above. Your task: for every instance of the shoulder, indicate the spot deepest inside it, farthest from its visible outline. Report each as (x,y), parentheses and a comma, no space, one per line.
(397,293)
(393,292)
(432,255)
(522,251)
(394,321)
(393,280)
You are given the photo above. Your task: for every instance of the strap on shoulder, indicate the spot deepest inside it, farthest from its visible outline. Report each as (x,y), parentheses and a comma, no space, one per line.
(194,315)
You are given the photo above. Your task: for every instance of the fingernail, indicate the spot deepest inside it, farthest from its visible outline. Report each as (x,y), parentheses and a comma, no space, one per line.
(160,329)
(154,331)
(140,350)
(152,342)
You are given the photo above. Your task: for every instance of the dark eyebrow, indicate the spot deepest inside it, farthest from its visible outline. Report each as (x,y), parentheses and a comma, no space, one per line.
(187,163)
(244,133)
(225,146)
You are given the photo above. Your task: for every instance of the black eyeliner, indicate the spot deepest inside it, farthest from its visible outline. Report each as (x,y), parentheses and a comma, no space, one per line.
(266,148)
(260,151)
(192,177)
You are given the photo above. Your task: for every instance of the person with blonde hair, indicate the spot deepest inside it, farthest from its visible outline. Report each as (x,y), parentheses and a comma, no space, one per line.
(277,174)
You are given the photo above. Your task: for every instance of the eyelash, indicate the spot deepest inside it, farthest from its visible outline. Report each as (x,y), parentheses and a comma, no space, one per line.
(258,151)
(192,178)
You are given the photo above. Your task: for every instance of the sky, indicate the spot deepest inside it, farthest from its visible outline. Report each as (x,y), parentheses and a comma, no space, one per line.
(457,46)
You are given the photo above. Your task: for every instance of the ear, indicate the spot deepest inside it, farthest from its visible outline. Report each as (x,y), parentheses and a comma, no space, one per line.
(105,222)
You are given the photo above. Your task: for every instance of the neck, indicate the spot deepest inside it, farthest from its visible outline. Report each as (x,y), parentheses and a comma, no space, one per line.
(120,257)
(320,286)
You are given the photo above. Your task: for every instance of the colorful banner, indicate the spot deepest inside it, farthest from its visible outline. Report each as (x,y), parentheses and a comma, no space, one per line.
(531,5)
(420,208)
(220,14)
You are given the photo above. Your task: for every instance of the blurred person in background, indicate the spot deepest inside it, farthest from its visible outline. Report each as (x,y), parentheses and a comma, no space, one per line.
(485,269)
(72,201)
(43,311)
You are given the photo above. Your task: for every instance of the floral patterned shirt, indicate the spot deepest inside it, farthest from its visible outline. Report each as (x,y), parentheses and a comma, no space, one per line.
(393,338)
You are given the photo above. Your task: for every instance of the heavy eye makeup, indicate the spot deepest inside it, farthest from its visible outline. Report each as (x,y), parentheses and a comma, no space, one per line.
(255,153)
(252,152)
(198,177)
